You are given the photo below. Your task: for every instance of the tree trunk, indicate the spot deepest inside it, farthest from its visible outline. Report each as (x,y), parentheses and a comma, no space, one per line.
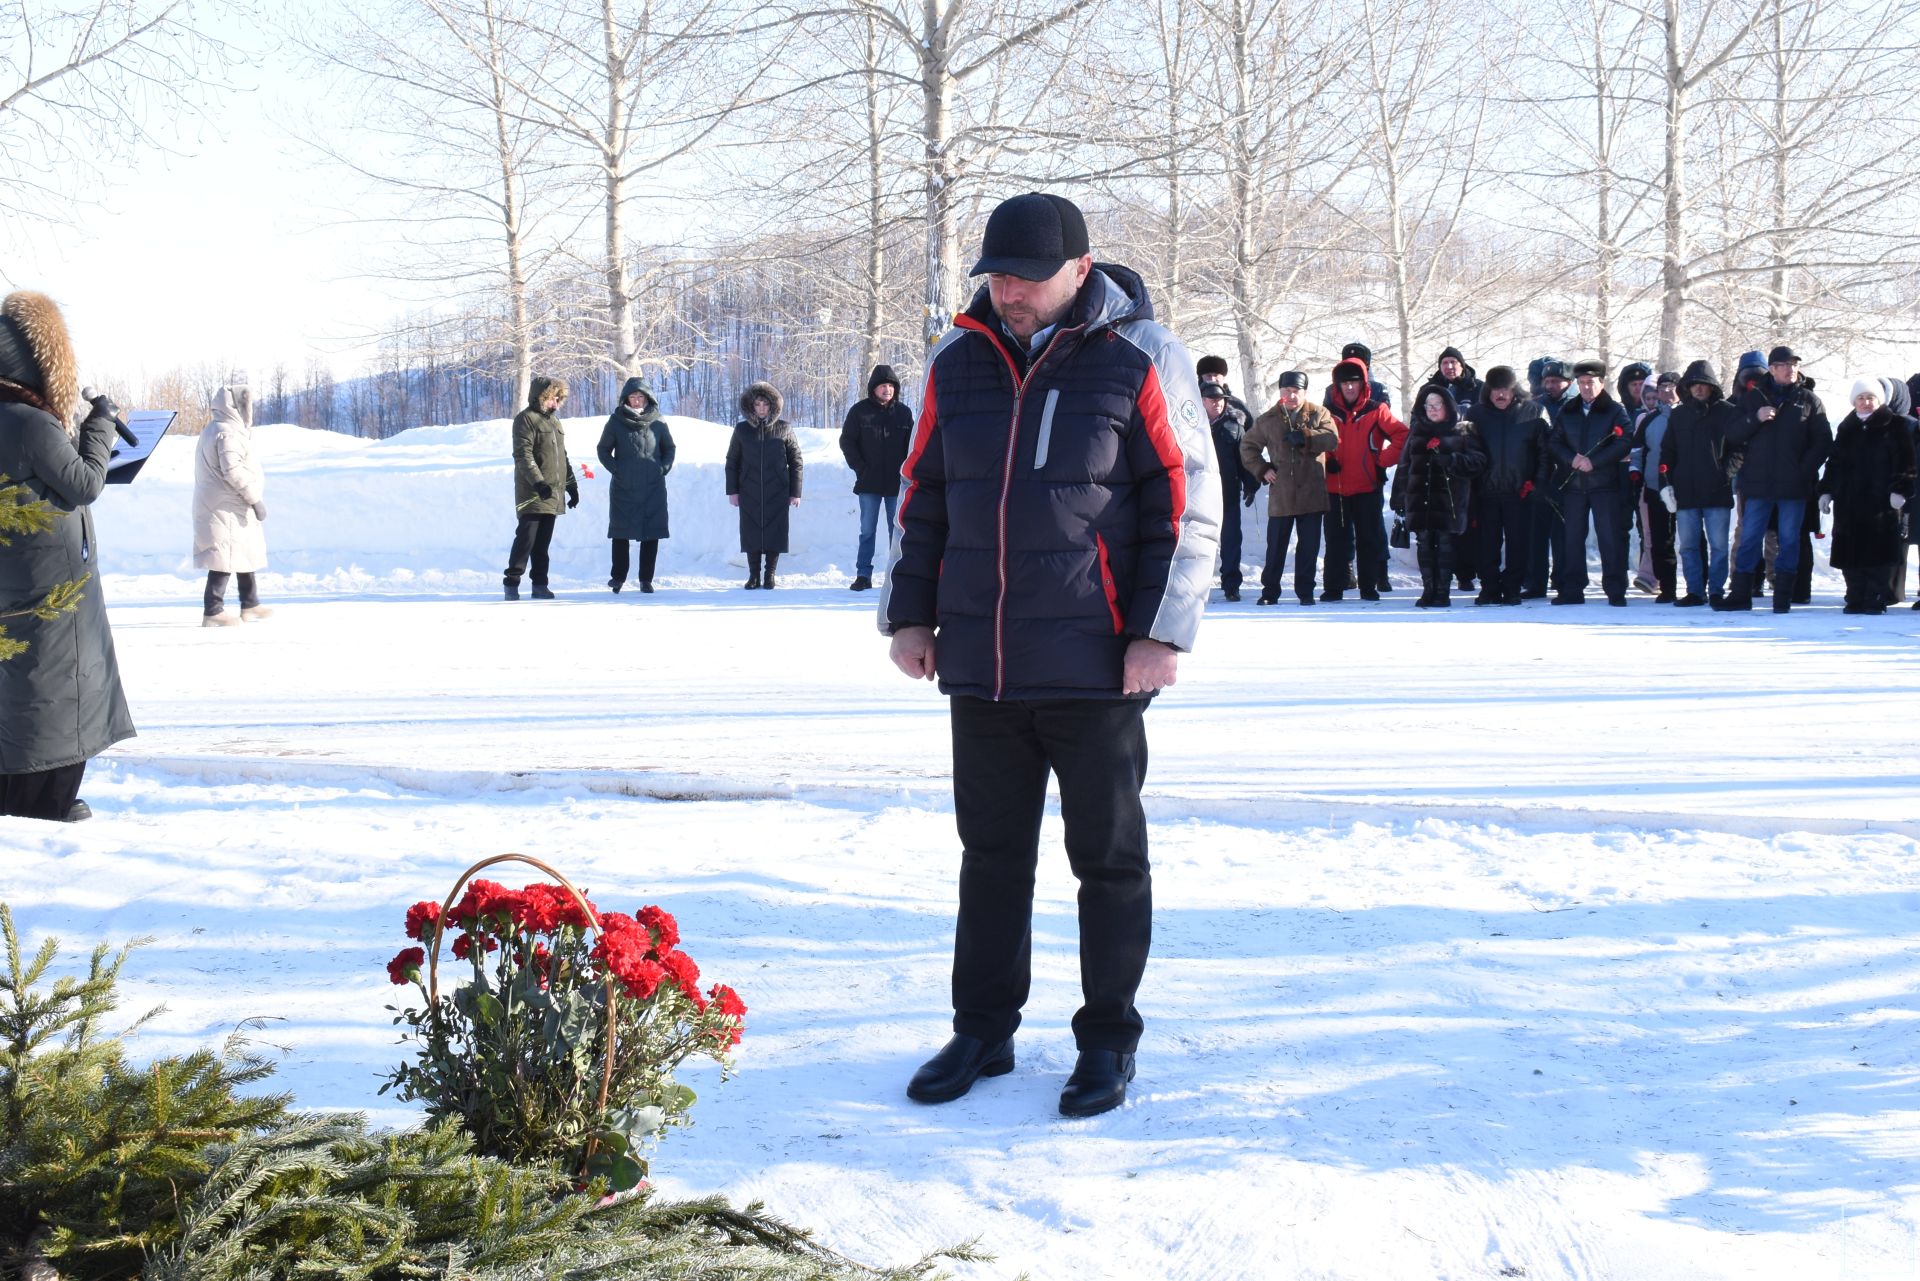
(1241,194)
(1673,258)
(936,87)
(620,332)
(876,206)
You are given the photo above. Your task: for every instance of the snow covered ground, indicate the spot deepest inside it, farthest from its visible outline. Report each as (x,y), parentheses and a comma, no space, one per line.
(1539,942)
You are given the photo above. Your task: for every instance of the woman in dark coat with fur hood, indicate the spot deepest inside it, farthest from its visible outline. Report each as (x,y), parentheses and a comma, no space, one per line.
(1867,485)
(60,700)
(637,450)
(763,479)
(1433,486)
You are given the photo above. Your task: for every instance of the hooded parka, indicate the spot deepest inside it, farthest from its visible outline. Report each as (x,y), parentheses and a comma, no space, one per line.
(1433,489)
(1871,460)
(540,456)
(227,484)
(874,437)
(765,470)
(1693,453)
(637,450)
(60,701)
(1371,438)
(1299,486)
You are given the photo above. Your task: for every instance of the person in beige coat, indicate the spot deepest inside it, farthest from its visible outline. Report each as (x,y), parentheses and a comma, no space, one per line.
(1286,449)
(229,504)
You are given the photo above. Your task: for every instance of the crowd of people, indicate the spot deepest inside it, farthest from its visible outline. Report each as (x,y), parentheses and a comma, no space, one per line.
(1500,486)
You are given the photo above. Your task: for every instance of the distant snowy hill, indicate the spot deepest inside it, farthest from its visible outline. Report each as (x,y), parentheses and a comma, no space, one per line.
(431,510)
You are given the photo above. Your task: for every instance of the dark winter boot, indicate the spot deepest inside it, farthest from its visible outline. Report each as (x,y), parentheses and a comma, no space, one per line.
(773,558)
(1739,593)
(753,571)
(1782,602)
(865,584)
(512,586)
(615,584)
(542,592)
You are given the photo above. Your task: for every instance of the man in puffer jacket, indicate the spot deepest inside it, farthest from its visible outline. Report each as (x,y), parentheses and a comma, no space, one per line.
(1785,435)
(1229,417)
(1695,482)
(1590,441)
(874,440)
(1514,432)
(1058,528)
(1371,439)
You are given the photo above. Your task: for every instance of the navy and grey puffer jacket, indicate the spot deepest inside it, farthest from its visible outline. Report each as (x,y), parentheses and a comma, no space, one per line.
(1049,518)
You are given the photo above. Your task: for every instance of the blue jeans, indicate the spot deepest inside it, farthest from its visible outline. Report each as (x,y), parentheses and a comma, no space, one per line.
(1706,573)
(1754,513)
(869,515)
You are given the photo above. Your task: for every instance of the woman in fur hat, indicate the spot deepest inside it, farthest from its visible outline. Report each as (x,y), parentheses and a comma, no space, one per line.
(229,504)
(763,479)
(60,701)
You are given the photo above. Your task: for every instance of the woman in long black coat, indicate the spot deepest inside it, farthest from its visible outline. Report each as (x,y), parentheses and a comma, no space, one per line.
(1433,486)
(1867,484)
(637,450)
(763,479)
(60,701)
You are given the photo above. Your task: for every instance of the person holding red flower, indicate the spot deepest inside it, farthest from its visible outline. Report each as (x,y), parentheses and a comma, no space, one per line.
(1590,440)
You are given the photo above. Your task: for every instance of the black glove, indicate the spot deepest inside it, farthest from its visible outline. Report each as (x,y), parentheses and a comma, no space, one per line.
(1333,465)
(1248,500)
(104,407)
(573,496)
(1296,438)
(542,490)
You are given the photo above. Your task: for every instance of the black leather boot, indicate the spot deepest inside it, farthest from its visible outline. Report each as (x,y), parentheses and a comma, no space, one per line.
(961,1061)
(766,581)
(753,571)
(1098,1083)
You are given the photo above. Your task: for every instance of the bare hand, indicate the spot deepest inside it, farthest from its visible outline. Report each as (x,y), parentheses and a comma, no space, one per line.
(1267,476)
(1149,666)
(793,502)
(1582,463)
(1766,414)
(734,499)
(912,652)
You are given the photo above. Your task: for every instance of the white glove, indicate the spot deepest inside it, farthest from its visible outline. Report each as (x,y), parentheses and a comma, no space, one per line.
(1826,504)
(1898,500)
(1671,499)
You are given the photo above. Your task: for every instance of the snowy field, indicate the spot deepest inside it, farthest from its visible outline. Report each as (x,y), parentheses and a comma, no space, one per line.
(1540,942)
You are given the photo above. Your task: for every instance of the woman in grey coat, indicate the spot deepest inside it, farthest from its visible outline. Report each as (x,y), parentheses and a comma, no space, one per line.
(637,450)
(763,479)
(60,701)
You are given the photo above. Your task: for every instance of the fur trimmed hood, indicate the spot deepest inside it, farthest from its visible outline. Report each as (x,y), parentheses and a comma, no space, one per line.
(538,388)
(761,389)
(36,353)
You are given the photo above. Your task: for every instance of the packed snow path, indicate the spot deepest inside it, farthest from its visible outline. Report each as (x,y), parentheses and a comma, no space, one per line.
(1496,941)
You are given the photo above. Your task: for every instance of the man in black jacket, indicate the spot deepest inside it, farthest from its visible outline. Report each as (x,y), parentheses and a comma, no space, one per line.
(1695,482)
(1784,433)
(874,440)
(1058,528)
(1229,418)
(1514,431)
(1547,531)
(1590,440)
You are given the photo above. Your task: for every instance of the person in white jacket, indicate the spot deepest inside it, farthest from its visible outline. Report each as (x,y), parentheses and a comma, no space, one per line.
(229,504)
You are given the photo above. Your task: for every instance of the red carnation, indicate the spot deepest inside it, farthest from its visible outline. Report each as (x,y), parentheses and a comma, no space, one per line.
(540,908)
(483,899)
(686,974)
(421,917)
(405,968)
(666,930)
(642,979)
(1618,430)
(732,1008)
(463,946)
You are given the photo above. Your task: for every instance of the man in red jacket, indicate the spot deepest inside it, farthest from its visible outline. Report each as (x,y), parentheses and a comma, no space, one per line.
(1371,439)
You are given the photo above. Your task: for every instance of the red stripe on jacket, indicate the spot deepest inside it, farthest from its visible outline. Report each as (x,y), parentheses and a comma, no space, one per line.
(1152,404)
(922,437)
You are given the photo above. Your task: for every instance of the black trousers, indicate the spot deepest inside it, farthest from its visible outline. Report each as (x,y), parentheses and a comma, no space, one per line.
(1230,538)
(47,793)
(1659,536)
(530,537)
(1544,541)
(215,599)
(1002,754)
(1503,525)
(1356,540)
(1608,514)
(649,557)
(1306,556)
(1437,554)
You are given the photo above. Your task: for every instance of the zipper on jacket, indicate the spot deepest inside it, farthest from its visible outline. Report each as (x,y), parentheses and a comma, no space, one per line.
(1046,429)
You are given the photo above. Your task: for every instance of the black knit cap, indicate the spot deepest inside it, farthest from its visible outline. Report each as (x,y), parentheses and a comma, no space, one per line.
(1593,368)
(1501,376)
(1210,366)
(1292,378)
(1455,353)
(1032,237)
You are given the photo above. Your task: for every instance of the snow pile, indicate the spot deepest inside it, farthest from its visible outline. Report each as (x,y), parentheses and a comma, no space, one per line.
(431,511)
